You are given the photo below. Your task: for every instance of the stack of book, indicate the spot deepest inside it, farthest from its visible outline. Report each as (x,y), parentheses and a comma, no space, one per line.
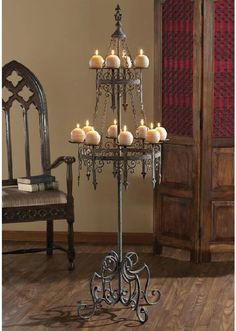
(37,183)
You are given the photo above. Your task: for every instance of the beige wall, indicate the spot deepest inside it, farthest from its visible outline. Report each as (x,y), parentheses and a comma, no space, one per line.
(55,39)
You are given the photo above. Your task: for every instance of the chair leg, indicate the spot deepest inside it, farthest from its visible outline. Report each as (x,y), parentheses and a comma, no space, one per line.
(49,237)
(71,249)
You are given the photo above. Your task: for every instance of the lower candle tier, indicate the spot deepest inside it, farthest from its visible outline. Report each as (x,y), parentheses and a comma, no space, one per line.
(113,154)
(124,160)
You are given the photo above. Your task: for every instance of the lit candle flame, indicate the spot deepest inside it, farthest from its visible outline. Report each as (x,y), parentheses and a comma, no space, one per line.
(125,128)
(112,52)
(87,123)
(115,122)
(77,125)
(151,125)
(96,52)
(142,122)
(141,51)
(158,124)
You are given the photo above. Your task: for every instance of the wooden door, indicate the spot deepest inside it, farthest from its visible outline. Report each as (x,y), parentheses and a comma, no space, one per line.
(217,220)
(178,53)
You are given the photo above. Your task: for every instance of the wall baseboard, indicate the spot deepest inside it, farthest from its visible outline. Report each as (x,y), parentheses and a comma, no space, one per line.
(80,237)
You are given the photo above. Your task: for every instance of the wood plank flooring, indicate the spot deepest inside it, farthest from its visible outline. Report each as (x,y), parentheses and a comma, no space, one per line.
(40,294)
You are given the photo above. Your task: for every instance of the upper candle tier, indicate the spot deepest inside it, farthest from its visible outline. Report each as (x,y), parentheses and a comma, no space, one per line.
(113,61)
(119,83)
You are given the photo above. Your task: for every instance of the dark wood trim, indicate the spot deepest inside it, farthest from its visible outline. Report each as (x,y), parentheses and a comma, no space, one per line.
(222,142)
(79,237)
(196,150)
(197,72)
(177,191)
(175,242)
(158,60)
(219,248)
(207,112)
(180,140)
(9,145)
(9,182)
(158,4)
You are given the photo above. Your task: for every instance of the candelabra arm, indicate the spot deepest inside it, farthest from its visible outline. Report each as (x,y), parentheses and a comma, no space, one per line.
(94,168)
(143,173)
(153,167)
(113,102)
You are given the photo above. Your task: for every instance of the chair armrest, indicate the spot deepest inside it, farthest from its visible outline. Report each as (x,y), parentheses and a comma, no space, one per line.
(69,160)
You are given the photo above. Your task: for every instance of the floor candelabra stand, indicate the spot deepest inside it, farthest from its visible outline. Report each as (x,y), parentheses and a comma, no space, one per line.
(119,280)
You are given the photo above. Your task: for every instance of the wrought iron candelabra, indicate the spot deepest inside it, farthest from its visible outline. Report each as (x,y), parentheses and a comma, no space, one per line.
(119,280)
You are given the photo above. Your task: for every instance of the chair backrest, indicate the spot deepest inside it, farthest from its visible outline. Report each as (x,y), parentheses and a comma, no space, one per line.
(25,79)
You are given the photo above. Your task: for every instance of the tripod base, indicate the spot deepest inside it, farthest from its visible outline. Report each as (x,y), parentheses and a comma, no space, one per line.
(120,282)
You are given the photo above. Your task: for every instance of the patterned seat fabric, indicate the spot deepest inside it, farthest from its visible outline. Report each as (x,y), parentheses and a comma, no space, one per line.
(12,197)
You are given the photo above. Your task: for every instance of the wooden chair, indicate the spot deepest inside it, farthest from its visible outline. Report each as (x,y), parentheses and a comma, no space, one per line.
(50,205)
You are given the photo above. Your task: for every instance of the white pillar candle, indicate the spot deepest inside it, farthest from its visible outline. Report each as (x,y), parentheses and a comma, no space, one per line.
(125,138)
(93,137)
(162,131)
(87,127)
(96,61)
(153,136)
(112,130)
(125,61)
(77,134)
(141,60)
(142,130)
(112,60)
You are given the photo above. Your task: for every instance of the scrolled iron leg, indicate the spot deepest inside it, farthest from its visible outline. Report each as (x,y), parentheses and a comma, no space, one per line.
(132,294)
(150,296)
(71,249)
(95,292)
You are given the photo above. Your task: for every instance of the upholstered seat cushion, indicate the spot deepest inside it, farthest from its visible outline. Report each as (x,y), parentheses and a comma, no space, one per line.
(12,197)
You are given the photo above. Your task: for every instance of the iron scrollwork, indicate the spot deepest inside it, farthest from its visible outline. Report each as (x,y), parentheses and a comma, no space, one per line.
(129,292)
(94,159)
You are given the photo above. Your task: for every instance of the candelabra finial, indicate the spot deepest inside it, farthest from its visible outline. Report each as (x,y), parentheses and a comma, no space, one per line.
(118,32)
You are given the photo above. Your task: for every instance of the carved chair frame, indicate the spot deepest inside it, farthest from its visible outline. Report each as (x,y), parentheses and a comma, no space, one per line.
(51,212)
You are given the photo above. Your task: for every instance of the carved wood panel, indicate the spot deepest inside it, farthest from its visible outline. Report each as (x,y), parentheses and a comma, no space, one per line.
(222,169)
(177,165)
(176,217)
(34,213)
(222,221)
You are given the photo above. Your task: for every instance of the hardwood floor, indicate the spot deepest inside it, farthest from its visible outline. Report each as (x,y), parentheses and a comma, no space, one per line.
(40,294)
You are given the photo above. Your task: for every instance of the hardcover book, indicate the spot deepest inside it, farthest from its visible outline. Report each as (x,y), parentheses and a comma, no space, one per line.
(44,178)
(38,187)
